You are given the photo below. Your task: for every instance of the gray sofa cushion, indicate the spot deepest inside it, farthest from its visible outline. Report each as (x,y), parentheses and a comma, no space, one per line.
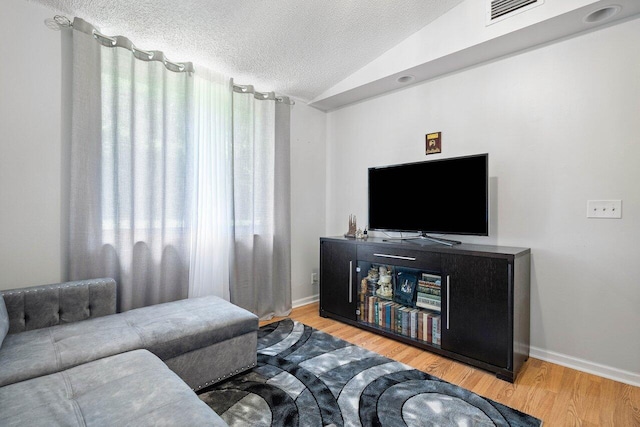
(43,351)
(166,330)
(174,328)
(133,388)
(4,320)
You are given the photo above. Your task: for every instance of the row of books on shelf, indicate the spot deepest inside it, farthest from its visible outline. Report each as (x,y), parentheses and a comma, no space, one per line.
(411,322)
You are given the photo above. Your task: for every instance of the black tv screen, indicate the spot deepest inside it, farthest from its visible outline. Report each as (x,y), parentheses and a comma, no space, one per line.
(445,196)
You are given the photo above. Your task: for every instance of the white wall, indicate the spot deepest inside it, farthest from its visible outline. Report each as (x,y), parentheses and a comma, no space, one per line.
(30,148)
(308,195)
(561,126)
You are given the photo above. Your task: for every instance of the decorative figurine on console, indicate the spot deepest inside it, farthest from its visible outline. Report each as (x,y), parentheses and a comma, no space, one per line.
(352,227)
(361,235)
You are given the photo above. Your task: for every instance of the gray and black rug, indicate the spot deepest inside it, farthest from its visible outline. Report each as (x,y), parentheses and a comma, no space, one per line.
(306,377)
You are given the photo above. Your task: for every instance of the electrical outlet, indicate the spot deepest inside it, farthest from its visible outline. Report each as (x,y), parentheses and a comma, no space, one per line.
(314,278)
(604,208)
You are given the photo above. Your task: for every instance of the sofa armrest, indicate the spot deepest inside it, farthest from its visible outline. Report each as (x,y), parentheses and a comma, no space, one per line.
(42,306)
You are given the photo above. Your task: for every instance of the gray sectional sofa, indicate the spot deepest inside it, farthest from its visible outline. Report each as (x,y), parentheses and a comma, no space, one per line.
(66,357)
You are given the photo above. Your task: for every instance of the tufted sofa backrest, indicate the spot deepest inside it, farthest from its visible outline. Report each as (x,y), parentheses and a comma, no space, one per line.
(42,306)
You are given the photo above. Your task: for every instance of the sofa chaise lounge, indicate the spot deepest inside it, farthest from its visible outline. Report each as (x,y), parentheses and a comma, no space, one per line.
(66,357)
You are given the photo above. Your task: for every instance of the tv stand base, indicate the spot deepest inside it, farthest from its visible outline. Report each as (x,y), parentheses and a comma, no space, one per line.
(440,240)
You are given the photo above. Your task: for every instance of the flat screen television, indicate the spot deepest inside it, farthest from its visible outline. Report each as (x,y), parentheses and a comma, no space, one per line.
(444,196)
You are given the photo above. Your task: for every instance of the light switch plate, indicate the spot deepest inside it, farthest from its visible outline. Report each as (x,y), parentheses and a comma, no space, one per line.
(604,208)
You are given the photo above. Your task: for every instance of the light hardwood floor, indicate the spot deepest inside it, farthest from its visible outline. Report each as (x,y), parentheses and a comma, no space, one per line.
(559,396)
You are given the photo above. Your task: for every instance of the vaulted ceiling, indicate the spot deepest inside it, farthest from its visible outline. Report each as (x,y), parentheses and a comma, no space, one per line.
(330,53)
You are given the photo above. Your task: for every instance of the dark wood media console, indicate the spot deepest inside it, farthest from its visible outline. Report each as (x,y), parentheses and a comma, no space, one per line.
(477,308)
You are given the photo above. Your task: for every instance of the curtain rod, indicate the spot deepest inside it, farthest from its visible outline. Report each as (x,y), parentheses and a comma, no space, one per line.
(121,41)
(262,95)
(60,21)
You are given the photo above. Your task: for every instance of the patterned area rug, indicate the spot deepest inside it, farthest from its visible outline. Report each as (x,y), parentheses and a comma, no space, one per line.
(306,377)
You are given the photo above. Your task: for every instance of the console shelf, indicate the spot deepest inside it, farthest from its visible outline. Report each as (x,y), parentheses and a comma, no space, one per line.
(466,302)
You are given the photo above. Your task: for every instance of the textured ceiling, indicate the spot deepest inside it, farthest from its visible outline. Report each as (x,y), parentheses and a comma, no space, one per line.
(298,48)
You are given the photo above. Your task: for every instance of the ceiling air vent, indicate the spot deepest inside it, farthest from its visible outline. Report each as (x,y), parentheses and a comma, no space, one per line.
(497,10)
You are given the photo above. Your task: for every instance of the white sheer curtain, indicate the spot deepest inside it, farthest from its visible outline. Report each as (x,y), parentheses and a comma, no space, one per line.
(130,189)
(261,270)
(213,221)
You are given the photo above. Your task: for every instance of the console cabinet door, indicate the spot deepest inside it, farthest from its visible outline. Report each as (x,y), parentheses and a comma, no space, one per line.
(337,275)
(476,308)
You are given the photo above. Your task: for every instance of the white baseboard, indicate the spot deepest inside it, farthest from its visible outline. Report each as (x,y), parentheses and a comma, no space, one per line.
(615,374)
(304,301)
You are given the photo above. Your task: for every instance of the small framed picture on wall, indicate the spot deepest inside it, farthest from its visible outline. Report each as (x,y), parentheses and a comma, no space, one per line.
(434,143)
